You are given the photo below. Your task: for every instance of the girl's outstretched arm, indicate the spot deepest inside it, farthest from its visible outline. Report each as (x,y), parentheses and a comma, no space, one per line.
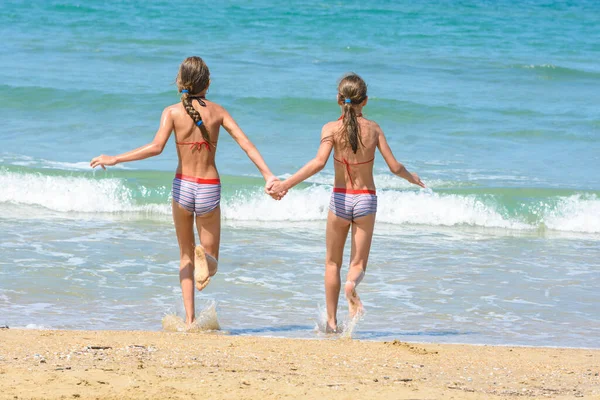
(395,166)
(152,149)
(251,151)
(310,168)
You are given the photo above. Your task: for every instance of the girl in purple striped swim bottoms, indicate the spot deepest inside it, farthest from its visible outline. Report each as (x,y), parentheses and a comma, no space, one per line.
(353,139)
(195,122)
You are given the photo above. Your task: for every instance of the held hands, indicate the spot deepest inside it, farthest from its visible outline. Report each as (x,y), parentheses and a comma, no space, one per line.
(103,161)
(274,188)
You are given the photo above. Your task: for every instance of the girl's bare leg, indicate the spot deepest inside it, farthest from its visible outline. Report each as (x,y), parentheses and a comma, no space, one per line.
(184,227)
(207,252)
(335,239)
(362,235)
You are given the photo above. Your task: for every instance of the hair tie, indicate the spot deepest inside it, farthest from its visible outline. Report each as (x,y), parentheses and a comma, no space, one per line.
(199,123)
(347,101)
(185,91)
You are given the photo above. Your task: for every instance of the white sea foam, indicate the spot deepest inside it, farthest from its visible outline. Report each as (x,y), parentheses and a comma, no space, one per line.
(395,207)
(299,205)
(72,194)
(36,327)
(425,208)
(575,213)
(532,66)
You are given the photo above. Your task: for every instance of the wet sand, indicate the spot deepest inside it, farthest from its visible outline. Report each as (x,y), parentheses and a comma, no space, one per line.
(36,364)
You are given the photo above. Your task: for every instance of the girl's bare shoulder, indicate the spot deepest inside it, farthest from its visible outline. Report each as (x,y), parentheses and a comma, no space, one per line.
(332,126)
(174,109)
(371,124)
(371,133)
(216,109)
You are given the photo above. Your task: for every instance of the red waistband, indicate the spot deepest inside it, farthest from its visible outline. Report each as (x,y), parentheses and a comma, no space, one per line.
(216,181)
(353,191)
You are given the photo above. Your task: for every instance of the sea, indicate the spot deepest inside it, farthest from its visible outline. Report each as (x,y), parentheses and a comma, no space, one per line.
(495,104)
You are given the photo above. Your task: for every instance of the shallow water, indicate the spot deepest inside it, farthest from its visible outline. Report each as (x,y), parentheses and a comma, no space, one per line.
(500,122)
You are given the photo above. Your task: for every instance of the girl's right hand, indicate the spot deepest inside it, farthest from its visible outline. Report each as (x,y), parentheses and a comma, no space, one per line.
(414,179)
(273,188)
(103,161)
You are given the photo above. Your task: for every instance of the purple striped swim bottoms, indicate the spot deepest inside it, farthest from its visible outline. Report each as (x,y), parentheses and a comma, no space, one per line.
(197,195)
(352,204)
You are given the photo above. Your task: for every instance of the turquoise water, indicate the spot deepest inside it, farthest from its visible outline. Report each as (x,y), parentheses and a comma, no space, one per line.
(494,104)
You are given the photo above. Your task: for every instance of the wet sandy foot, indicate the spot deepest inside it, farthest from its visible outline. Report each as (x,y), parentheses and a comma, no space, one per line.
(201,273)
(331,328)
(355,306)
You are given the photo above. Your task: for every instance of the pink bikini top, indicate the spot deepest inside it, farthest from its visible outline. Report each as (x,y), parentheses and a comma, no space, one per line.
(348,164)
(195,145)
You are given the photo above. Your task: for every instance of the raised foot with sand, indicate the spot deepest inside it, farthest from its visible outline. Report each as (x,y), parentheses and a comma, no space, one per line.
(201,273)
(355,306)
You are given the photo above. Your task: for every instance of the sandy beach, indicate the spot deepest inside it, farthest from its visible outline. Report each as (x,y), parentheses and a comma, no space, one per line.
(38,364)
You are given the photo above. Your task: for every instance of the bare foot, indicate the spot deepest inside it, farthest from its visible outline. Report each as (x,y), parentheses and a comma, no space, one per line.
(355,306)
(189,324)
(201,274)
(331,328)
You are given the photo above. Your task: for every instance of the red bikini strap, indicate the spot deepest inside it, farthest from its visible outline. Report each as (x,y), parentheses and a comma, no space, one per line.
(342,117)
(196,145)
(347,164)
(344,161)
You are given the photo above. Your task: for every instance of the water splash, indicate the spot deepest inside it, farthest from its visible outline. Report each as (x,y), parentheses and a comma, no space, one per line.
(345,328)
(349,326)
(206,320)
(173,323)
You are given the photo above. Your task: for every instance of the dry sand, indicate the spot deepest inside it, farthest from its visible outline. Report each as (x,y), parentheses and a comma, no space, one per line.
(160,365)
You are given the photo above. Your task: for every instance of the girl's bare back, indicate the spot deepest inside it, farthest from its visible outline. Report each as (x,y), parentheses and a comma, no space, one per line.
(196,155)
(354,170)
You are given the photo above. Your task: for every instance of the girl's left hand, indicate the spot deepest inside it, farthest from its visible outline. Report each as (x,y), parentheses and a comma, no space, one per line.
(103,160)
(273,188)
(416,180)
